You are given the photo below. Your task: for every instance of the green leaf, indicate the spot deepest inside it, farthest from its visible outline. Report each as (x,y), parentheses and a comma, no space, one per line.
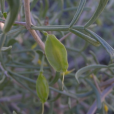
(55,79)
(99,104)
(98,11)
(85,37)
(6,48)
(86,68)
(94,57)
(78,12)
(2,2)
(108,48)
(45,8)
(2,40)
(55,98)
(11,42)
(5,15)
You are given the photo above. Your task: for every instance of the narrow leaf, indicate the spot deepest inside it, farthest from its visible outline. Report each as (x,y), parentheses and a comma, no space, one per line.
(55,79)
(78,12)
(85,37)
(99,104)
(6,48)
(98,11)
(86,68)
(108,48)
(55,98)
(45,8)
(2,2)
(2,40)
(5,15)
(11,42)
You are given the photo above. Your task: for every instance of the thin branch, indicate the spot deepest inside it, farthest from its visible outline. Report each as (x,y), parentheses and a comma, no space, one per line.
(64,37)
(28,24)
(16,22)
(96,84)
(107,83)
(13,98)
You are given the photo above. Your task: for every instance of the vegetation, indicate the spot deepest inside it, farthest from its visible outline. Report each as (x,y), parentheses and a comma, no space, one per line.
(56,57)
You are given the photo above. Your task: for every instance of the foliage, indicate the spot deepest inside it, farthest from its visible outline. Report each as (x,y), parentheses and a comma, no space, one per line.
(85,28)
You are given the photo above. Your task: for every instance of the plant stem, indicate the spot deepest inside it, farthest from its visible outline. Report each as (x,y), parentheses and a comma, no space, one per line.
(41,69)
(42,108)
(28,24)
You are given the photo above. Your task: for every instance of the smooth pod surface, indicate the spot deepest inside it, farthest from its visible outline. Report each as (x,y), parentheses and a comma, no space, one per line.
(42,88)
(56,53)
(14,6)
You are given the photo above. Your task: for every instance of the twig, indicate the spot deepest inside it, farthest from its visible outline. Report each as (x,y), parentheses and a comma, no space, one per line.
(107,83)
(16,22)
(13,98)
(28,24)
(65,36)
(5,72)
(103,95)
(96,83)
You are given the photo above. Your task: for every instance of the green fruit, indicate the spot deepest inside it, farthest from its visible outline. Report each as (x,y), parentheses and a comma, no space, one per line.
(56,53)
(42,88)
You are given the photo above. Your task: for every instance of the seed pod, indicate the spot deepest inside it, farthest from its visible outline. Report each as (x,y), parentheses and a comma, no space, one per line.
(14,6)
(42,88)
(56,53)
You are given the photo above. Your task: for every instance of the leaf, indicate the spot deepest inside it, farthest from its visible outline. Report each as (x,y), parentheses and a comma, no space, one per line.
(57,97)
(55,79)
(2,40)
(11,42)
(85,37)
(6,48)
(45,8)
(108,48)
(2,5)
(5,15)
(34,45)
(98,11)
(86,68)
(78,12)
(99,104)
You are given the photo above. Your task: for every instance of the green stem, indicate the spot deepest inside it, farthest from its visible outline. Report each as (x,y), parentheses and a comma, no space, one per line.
(41,69)
(2,5)
(42,108)
(2,40)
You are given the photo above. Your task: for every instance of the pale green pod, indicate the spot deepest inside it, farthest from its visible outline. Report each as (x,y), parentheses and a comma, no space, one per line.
(56,53)
(42,88)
